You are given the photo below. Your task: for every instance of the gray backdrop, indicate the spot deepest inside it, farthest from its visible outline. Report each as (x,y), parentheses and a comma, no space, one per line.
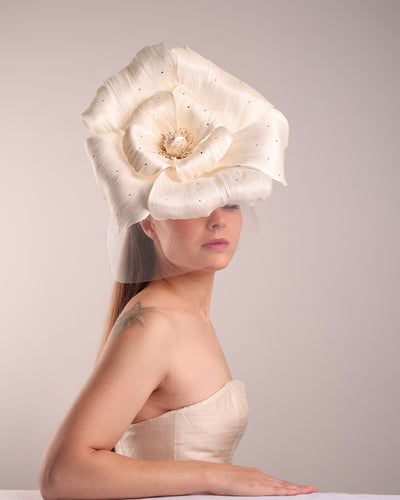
(308,312)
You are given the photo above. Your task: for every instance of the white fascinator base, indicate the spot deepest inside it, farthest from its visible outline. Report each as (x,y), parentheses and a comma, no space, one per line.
(175,136)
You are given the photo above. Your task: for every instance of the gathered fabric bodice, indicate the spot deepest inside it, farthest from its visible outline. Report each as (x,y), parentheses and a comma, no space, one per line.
(209,430)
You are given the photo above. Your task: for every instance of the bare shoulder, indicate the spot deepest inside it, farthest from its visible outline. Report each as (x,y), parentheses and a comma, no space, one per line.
(142,318)
(138,314)
(139,354)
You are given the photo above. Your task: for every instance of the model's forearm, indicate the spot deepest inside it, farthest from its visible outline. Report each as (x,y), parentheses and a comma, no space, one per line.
(106,475)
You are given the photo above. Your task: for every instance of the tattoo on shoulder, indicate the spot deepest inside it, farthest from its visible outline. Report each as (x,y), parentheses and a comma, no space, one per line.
(133,316)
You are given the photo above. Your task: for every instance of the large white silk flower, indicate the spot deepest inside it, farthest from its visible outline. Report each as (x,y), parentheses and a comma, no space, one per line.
(175,136)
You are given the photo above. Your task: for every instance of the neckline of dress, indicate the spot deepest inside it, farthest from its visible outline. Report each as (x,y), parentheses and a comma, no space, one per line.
(167,413)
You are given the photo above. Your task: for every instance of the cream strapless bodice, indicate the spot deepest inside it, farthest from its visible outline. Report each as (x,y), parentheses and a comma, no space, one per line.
(209,430)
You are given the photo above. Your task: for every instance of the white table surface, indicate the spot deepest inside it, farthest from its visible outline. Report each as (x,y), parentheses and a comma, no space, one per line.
(35,495)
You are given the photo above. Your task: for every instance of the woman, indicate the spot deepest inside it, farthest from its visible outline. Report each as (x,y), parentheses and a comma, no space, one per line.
(160,414)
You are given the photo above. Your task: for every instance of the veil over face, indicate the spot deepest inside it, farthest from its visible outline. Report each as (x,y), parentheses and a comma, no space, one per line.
(175,246)
(175,137)
(184,245)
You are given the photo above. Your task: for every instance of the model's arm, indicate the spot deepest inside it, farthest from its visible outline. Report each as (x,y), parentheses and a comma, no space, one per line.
(78,463)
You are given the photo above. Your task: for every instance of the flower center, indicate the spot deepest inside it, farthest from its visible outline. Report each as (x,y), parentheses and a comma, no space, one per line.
(177,143)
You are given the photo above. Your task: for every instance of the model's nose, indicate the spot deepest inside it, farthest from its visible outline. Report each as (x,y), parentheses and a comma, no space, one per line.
(216,219)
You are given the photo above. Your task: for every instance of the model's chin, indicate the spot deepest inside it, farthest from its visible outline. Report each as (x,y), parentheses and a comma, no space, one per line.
(221,263)
(219,268)
(211,263)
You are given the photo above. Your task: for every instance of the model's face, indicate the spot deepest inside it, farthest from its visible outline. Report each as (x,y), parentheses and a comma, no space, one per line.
(202,243)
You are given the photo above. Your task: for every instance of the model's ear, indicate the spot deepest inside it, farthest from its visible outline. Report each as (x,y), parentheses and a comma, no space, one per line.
(147,227)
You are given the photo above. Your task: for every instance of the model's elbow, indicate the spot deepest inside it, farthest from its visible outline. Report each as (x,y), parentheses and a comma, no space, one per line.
(52,480)
(46,481)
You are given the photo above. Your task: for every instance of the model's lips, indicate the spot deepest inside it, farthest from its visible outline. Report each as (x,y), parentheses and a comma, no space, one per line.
(216,243)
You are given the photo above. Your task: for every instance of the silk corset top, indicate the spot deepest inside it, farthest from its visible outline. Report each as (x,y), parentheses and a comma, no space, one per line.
(209,430)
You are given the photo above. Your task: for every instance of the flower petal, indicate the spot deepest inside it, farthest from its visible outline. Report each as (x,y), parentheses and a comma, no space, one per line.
(154,116)
(172,199)
(192,114)
(205,156)
(235,101)
(152,69)
(245,186)
(126,191)
(147,163)
(261,145)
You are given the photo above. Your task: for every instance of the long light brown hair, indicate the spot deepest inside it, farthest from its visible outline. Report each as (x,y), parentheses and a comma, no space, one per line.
(138,256)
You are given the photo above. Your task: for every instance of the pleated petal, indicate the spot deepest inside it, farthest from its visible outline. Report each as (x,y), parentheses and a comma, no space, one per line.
(153,69)
(192,114)
(205,156)
(126,191)
(245,186)
(171,198)
(142,140)
(228,96)
(148,164)
(156,114)
(261,145)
